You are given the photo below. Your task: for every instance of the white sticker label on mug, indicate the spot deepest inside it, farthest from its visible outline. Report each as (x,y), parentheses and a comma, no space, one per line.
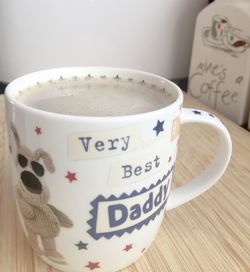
(141,167)
(101,144)
(175,128)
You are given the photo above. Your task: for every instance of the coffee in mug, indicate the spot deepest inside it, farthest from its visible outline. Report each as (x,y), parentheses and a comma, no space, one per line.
(100,96)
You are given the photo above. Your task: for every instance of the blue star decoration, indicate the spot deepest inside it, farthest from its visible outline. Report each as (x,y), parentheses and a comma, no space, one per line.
(197,112)
(159,127)
(82,245)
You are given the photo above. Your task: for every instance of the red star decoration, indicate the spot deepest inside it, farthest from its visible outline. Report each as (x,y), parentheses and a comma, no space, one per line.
(71,176)
(93,266)
(128,247)
(38,130)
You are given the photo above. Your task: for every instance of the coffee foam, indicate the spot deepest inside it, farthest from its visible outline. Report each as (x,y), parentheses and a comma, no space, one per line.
(95,97)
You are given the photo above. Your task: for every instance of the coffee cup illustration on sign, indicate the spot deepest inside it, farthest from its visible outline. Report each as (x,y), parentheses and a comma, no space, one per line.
(219,26)
(222,35)
(41,219)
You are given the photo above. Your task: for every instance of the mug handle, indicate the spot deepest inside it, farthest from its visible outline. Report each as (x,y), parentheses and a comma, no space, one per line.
(216,168)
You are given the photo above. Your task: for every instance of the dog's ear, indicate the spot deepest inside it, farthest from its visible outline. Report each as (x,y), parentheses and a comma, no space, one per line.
(16,136)
(40,153)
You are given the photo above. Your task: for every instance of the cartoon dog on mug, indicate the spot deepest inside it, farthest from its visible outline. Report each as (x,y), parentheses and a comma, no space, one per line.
(41,219)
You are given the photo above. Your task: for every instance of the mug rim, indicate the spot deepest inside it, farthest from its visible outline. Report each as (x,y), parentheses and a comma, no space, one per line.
(26,80)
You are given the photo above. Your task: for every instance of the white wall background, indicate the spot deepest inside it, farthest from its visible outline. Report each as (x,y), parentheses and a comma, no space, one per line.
(150,35)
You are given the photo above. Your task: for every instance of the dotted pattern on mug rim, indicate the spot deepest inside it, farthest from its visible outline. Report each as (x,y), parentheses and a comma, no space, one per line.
(90,77)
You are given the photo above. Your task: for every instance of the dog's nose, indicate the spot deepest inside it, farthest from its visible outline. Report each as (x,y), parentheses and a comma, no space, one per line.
(31,182)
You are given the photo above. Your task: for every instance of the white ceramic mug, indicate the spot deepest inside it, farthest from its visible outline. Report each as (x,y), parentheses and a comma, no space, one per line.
(88,208)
